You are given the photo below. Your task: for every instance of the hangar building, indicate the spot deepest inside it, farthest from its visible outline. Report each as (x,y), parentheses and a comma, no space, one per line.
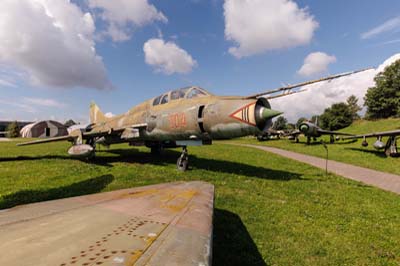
(44,129)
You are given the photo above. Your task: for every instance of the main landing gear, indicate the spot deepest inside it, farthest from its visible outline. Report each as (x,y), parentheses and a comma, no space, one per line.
(391,147)
(183,161)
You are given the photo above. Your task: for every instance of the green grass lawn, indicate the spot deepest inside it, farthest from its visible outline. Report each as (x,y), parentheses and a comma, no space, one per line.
(345,151)
(268,210)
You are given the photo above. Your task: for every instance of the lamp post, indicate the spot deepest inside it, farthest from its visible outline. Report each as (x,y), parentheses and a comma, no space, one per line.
(326,160)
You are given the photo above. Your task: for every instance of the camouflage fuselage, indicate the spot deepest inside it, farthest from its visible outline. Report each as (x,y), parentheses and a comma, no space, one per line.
(202,118)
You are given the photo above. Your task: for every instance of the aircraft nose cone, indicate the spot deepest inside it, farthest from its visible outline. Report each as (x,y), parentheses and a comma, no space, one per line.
(268,114)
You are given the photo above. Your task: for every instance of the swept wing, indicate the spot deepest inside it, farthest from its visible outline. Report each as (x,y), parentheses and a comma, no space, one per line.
(376,134)
(287,90)
(328,132)
(86,135)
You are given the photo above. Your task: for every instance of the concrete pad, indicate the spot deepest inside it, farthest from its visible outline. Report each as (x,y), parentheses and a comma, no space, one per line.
(166,224)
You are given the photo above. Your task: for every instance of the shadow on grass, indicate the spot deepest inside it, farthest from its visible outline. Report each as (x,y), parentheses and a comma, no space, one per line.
(108,157)
(232,243)
(84,187)
(214,165)
(327,142)
(377,153)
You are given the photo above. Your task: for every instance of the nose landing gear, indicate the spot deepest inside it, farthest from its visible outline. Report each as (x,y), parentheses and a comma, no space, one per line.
(183,161)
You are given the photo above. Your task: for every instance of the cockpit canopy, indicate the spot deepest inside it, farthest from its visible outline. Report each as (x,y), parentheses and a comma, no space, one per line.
(183,93)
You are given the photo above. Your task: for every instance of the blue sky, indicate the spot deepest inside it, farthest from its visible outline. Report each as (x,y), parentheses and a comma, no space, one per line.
(353,34)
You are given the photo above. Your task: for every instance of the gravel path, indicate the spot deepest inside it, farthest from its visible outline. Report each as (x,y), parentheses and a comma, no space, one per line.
(386,181)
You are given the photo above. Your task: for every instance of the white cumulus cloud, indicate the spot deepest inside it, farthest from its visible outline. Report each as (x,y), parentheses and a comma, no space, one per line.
(167,57)
(109,114)
(388,26)
(316,63)
(123,15)
(257,26)
(51,41)
(46,102)
(322,95)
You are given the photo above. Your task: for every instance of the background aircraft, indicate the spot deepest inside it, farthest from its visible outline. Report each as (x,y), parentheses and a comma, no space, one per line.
(390,148)
(270,133)
(311,130)
(184,117)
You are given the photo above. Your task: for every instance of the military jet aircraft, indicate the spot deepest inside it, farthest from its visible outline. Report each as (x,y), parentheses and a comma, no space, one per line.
(311,130)
(184,117)
(390,148)
(270,133)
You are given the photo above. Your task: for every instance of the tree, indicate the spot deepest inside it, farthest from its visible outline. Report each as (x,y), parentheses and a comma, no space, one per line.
(280,123)
(300,120)
(383,100)
(69,123)
(13,130)
(336,117)
(353,106)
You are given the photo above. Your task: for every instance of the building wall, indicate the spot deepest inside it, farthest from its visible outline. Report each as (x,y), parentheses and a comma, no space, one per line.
(38,130)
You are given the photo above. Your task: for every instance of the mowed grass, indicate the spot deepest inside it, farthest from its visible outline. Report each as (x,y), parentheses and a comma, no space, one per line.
(268,210)
(348,151)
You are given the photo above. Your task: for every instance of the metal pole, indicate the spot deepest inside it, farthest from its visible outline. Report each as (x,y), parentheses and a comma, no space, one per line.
(327,156)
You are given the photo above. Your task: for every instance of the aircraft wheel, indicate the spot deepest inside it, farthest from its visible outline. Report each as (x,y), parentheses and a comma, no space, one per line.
(182,164)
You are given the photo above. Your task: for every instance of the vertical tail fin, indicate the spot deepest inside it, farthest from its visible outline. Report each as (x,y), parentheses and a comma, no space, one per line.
(96,115)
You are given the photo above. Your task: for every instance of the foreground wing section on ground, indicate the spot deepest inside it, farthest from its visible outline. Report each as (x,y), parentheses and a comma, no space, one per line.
(165,224)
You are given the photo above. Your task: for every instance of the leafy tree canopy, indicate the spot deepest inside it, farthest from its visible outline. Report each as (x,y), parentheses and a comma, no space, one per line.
(352,102)
(69,123)
(336,117)
(280,123)
(13,130)
(383,100)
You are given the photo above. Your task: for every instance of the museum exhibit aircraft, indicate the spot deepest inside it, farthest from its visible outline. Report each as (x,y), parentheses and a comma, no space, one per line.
(311,130)
(269,134)
(390,148)
(184,117)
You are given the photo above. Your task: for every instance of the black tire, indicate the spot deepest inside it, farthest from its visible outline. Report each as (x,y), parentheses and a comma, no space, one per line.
(182,164)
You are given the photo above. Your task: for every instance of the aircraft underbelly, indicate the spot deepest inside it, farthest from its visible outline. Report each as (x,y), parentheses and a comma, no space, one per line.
(232,130)
(166,224)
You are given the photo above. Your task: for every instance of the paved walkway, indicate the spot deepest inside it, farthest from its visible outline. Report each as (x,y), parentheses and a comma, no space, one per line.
(379,179)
